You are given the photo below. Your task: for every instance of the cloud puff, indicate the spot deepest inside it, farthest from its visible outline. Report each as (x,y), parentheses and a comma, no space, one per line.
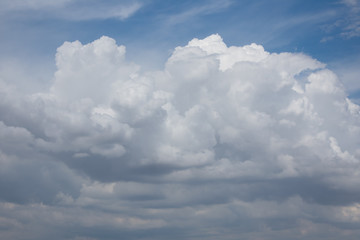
(221,135)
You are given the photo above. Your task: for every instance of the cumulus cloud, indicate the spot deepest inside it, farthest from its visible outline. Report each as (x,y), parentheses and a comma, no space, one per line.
(220,136)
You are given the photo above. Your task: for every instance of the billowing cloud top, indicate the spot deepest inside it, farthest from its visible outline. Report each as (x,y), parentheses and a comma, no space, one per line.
(220,134)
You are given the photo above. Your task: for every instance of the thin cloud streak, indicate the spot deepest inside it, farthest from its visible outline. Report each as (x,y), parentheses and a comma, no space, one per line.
(73,10)
(205,9)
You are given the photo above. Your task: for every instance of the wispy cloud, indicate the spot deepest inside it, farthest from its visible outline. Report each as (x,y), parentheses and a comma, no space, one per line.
(348,23)
(208,8)
(75,10)
(11,5)
(352,21)
(84,12)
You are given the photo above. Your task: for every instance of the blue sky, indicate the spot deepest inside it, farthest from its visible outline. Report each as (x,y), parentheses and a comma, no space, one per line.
(154,119)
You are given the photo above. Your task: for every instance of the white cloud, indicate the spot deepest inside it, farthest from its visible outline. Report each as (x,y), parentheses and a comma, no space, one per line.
(89,71)
(232,105)
(220,133)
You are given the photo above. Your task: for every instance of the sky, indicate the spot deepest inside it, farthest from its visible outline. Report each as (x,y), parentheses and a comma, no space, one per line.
(150,119)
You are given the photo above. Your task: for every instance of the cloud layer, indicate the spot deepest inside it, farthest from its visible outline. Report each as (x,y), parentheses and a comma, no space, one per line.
(224,141)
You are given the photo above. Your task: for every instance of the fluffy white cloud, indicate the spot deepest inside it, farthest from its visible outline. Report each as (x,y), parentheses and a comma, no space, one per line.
(220,133)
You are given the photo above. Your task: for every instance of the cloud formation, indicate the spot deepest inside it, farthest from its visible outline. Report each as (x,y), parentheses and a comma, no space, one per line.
(224,141)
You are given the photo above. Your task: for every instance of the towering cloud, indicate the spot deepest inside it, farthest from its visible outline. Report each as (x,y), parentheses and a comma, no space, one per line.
(230,141)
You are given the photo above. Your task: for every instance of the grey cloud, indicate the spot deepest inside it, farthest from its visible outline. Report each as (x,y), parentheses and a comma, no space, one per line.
(224,141)
(32,178)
